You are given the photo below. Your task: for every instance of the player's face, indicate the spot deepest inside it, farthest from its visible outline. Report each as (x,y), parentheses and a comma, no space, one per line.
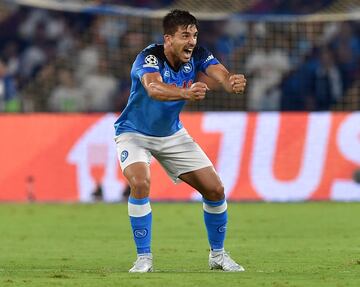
(183,42)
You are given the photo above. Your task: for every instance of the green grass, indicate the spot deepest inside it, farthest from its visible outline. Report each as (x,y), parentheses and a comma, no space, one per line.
(307,244)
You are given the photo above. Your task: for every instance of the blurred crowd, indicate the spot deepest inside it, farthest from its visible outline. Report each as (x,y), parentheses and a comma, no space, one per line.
(138,3)
(248,7)
(72,62)
(288,7)
(300,66)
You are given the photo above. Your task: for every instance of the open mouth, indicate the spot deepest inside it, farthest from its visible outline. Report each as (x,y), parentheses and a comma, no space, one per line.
(188,52)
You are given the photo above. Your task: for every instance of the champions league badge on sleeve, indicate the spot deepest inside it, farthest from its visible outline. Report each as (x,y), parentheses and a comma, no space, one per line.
(124,155)
(151,61)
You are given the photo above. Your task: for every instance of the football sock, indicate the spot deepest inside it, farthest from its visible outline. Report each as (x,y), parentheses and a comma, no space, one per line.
(215,216)
(141,219)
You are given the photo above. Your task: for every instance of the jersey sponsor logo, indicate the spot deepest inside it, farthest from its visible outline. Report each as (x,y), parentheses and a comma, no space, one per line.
(222,228)
(187,68)
(124,155)
(209,58)
(151,61)
(140,233)
(184,85)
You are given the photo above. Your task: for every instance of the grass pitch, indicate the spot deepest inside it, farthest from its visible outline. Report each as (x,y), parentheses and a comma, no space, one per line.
(307,244)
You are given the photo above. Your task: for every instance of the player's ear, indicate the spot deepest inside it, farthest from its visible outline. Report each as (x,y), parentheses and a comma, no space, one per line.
(167,38)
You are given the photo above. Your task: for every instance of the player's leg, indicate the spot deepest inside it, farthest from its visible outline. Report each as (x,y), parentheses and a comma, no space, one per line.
(134,161)
(139,209)
(208,183)
(182,158)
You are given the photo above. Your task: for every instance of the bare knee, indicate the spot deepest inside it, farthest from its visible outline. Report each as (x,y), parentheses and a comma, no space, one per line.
(216,193)
(140,187)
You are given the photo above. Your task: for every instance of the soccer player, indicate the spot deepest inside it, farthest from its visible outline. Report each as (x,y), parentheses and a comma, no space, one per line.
(163,79)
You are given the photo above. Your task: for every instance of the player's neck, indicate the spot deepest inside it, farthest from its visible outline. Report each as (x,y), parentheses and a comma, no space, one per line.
(172,59)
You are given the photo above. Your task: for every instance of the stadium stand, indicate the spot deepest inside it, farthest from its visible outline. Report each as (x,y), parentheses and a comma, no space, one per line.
(297,55)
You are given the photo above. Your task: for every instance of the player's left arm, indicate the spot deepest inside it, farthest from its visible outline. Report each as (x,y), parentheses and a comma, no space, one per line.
(218,76)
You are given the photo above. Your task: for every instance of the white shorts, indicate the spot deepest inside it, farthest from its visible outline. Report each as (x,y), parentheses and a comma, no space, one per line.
(177,153)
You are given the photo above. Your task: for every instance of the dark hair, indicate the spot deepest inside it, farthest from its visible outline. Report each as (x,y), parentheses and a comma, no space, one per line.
(177,18)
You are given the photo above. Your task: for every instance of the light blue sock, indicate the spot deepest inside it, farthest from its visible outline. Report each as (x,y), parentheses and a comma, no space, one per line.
(141,219)
(215,216)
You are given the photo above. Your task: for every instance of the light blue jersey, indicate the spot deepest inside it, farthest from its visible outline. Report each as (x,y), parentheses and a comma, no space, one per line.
(152,117)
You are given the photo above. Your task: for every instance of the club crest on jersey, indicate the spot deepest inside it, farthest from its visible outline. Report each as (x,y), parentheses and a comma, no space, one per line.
(187,68)
(151,61)
(140,233)
(167,73)
(124,155)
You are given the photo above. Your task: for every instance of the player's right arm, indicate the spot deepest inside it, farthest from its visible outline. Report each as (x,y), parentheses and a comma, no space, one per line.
(161,91)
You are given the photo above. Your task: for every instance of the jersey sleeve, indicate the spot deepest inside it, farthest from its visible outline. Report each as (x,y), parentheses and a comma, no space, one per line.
(146,62)
(204,59)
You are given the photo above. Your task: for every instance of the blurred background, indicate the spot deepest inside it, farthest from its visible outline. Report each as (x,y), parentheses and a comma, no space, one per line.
(75,56)
(293,136)
(65,77)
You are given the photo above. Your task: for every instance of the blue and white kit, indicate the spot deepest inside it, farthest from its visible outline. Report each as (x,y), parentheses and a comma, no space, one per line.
(149,127)
(149,116)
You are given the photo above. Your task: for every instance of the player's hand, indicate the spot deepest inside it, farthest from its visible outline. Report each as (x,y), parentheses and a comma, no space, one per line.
(238,83)
(196,92)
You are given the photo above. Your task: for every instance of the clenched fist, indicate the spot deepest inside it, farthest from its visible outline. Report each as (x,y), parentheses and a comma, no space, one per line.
(196,92)
(238,83)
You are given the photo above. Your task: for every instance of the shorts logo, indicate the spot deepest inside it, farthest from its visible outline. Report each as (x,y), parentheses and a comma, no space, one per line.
(222,228)
(187,68)
(140,233)
(151,61)
(124,155)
